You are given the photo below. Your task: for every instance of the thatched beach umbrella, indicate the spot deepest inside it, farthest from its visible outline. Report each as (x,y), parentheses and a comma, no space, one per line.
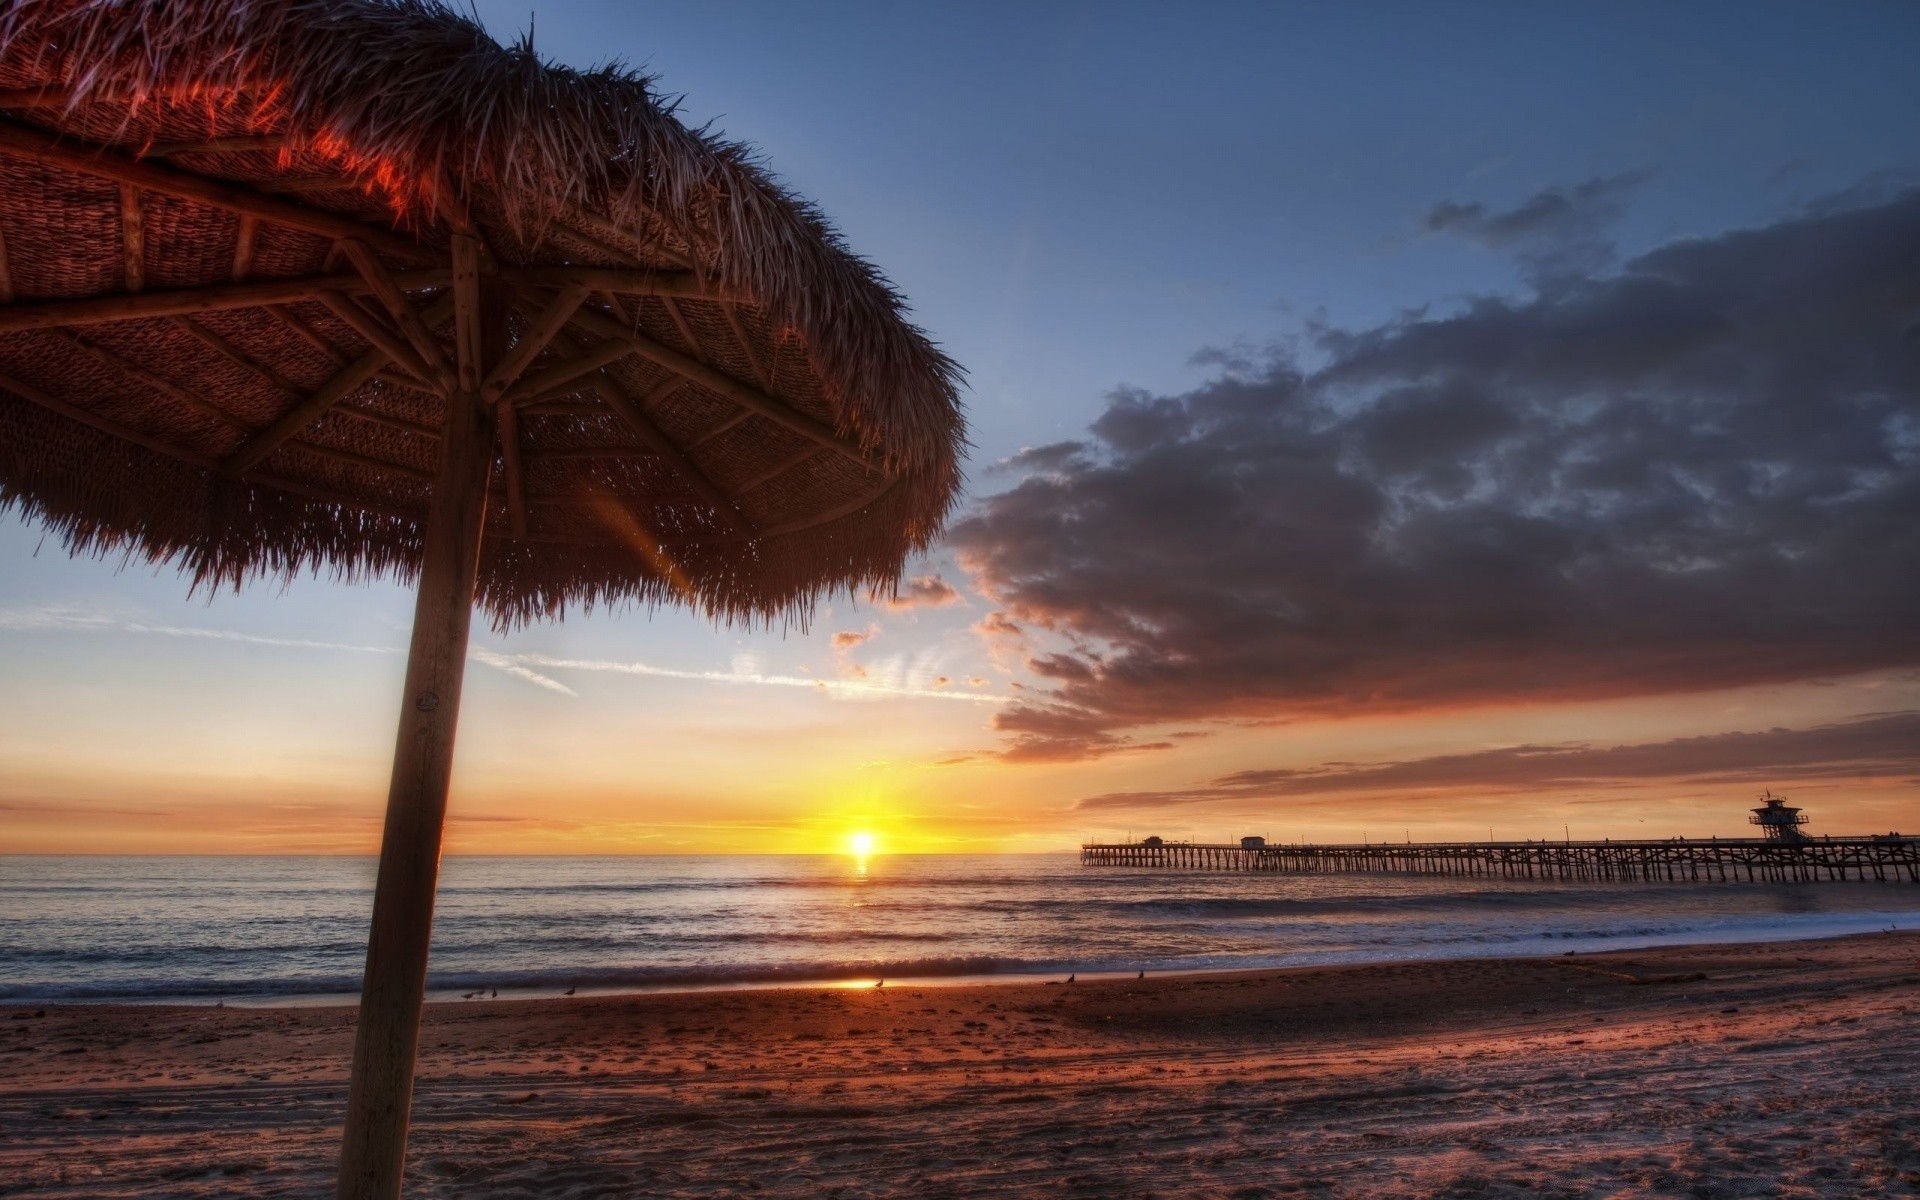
(343,285)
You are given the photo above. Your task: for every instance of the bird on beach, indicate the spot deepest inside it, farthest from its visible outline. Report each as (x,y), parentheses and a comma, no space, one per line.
(881,983)
(571,991)
(1071,978)
(496,994)
(1141,975)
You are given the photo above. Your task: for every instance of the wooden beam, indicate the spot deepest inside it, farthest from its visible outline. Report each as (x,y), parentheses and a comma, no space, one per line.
(189,457)
(24,141)
(613,397)
(103,424)
(564,453)
(759,369)
(236,355)
(272,143)
(311,407)
(562,408)
(6,272)
(133,241)
(604,235)
(622,280)
(681,323)
(243,247)
(388,420)
(40,97)
(369,327)
(306,333)
(788,463)
(740,417)
(356,459)
(305,412)
(514,478)
(655,439)
(567,370)
(101,310)
(388,292)
(745,395)
(551,321)
(158,383)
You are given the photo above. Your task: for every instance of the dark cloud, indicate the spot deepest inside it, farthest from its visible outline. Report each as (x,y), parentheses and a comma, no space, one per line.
(1877,747)
(1555,232)
(924,591)
(1702,471)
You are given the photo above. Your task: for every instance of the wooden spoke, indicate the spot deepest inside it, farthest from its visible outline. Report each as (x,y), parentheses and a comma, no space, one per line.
(353,459)
(133,225)
(561,408)
(740,417)
(780,468)
(325,397)
(225,145)
(305,412)
(773,408)
(374,416)
(236,355)
(370,327)
(243,247)
(297,185)
(554,379)
(681,323)
(6,272)
(103,424)
(759,369)
(182,454)
(45,97)
(608,235)
(550,322)
(158,383)
(621,280)
(655,439)
(388,292)
(307,334)
(100,310)
(24,141)
(565,453)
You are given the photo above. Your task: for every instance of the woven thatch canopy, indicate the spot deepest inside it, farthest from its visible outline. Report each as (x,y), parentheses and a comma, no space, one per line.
(231,239)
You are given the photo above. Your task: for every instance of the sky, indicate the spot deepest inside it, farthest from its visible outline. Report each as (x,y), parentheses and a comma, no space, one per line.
(1388,421)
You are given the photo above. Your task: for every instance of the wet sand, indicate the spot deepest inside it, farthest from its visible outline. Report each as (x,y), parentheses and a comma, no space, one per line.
(1783,1069)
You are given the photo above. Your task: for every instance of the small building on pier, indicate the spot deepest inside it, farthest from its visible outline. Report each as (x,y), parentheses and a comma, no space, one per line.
(1253,843)
(1781,820)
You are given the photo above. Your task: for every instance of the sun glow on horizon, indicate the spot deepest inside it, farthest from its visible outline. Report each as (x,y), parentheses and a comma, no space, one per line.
(861,844)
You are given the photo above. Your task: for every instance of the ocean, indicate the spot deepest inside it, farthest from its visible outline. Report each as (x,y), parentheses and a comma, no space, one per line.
(275,930)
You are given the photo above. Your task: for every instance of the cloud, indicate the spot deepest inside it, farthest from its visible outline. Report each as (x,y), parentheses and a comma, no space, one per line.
(1879,746)
(1554,232)
(924,591)
(847,639)
(508,664)
(854,689)
(1699,472)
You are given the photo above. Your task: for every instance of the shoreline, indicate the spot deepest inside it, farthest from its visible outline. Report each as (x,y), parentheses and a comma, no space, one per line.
(1724,1070)
(854,981)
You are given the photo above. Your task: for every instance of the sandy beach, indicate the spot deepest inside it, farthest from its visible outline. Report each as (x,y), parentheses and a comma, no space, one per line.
(1781,1069)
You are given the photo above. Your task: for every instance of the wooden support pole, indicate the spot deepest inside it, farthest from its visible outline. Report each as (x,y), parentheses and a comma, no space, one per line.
(373,1151)
(6,272)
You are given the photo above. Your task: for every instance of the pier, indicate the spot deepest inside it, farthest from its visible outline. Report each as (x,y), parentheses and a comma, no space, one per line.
(1884,859)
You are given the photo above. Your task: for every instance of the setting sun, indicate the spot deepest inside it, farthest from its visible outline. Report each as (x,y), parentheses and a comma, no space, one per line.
(861,844)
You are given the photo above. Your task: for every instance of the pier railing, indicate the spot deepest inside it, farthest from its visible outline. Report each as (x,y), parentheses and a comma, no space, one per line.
(1757,860)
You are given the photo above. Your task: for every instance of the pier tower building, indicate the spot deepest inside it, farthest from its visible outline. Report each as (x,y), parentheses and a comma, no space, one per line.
(1781,820)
